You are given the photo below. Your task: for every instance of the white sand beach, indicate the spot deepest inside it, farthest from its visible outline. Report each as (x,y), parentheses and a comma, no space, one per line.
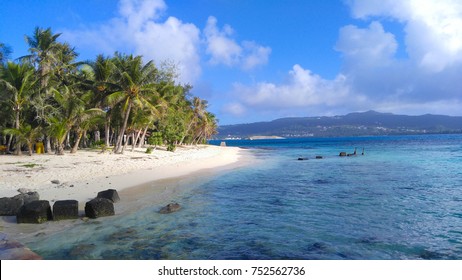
(82,175)
(139,178)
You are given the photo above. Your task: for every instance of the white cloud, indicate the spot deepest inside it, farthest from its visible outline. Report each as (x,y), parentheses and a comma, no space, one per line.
(223,49)
(373,76)
(171,40)
(220,46)
(433,28)
(367,46)
(255,55)
(140,29)
(137,12)
(301,92)
(235,109)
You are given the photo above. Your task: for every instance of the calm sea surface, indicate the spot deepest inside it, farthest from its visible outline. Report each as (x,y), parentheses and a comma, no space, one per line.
(401,200)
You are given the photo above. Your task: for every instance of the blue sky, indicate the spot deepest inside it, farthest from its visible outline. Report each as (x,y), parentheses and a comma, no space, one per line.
(259,60)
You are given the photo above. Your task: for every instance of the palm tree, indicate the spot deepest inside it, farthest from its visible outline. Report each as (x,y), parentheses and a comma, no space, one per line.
(84,121)
(5,51)
(43,46)
(102,70)
(25,134)
(136,84)
(18,81)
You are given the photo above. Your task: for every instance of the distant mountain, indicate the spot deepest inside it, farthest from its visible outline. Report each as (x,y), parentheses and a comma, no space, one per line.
(354,124)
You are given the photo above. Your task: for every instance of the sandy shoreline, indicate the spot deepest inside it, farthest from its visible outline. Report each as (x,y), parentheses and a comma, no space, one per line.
(81,176)
(141,179)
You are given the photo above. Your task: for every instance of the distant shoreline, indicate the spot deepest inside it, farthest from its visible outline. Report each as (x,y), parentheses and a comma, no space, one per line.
(262,137)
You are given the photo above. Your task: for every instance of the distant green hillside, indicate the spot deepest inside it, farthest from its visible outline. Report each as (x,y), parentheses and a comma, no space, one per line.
(354,124)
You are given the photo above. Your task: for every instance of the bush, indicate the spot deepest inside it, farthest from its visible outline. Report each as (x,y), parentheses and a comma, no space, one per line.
(149,150)
(155,139)
(171,147)
(98,144)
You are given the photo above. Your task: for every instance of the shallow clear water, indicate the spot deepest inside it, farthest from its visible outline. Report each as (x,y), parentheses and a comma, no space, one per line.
(401,200)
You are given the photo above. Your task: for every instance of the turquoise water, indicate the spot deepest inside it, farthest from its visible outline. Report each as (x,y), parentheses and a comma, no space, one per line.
(401,200)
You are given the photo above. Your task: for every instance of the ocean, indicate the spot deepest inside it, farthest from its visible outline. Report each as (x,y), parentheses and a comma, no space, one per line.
(402,199)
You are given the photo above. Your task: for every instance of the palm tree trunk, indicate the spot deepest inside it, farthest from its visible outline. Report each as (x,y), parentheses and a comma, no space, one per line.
(119,146)
(48,145)
(77,142)
(31,147)
(135,140)
(67,144)
(85,142)
(132,135)
(60,146)
(107,132)
(143,137)
(10,140)
(18,143)
(97,136)
(187,132)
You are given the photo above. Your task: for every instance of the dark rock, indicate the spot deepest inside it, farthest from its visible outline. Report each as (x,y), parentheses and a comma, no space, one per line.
(35,212)
(99,207)
(28,197)
(170,208)
(319,157)
(55,182)
(343,154)
(110,194)
(65,209)
(303,158)
(9,206)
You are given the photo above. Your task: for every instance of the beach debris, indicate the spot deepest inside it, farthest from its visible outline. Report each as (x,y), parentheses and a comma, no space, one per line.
(55,182)
(170,208)
(65,209)
(99,207)
(110,194)
(35,212)
(343,154)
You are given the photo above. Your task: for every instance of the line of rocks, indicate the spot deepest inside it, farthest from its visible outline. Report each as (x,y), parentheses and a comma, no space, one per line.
(28,208)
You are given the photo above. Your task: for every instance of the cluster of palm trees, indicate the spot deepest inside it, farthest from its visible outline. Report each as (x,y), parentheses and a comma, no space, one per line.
(112,101)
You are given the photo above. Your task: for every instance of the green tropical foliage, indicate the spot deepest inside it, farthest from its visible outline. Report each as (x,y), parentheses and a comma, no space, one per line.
(118,100)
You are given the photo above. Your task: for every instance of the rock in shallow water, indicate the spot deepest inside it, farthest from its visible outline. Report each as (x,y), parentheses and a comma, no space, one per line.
(28,197)
(65,209)
(99,207)
(35,212)
(170,208)
(110,194)
(9,206)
